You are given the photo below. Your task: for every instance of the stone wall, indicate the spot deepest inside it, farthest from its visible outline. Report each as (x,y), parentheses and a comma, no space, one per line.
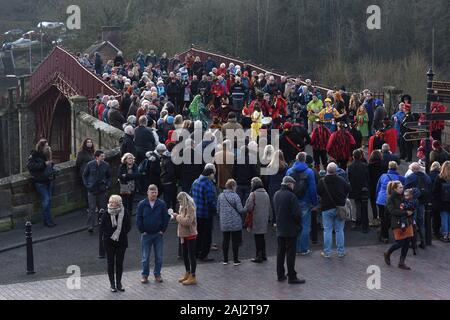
(68,193)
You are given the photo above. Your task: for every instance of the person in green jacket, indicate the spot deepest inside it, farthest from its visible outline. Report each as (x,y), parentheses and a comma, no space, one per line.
(362,122)
(314,107)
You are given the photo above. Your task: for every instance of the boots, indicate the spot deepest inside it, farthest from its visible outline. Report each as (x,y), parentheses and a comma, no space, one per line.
(402,264)
(387,258)
(185,277)
(191,280)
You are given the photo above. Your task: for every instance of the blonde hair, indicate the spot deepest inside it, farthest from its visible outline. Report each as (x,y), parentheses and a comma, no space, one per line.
(186,201)
(445,171)
(393,165)
(392,186)
(435,166)
(116,199)
(277,160)
(230,184)
(125,157)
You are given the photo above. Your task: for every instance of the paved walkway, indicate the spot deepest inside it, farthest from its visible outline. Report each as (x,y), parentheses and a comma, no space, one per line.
(325,279)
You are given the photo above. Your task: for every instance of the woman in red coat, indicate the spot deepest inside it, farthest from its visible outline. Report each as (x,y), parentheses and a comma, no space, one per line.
(390,135)
(341,145)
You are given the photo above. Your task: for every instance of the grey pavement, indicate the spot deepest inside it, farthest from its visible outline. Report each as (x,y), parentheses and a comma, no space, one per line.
(335,278)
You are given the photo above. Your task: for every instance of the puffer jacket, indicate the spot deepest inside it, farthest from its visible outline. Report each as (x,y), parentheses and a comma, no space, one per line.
(229,208)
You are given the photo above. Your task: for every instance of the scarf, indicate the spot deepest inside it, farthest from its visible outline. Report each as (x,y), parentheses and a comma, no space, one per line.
(114,213)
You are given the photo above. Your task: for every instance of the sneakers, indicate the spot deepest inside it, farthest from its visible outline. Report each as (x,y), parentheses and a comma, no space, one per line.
(225,263)
(158,279)
(236,263)
(341,255)
(257,260)
(306,253)
(324,255)
(191,280)
(214,247)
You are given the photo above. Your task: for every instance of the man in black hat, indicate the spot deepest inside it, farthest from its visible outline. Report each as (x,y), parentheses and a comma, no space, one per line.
(287,211)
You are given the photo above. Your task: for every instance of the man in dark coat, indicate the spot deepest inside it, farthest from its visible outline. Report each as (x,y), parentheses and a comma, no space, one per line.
(127,142)
(358,174)
(293,140)
(143,139)
(115,117)
(288,219)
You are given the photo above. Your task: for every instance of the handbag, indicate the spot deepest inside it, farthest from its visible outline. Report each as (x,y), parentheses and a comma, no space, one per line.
(126,189)
(248,224)
(342,212)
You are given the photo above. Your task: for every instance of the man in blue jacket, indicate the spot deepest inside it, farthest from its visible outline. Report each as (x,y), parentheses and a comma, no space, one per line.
(421,182)
(305,189)
(152,219)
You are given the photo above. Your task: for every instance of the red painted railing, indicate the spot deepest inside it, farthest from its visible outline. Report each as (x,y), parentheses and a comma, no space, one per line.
(74,78)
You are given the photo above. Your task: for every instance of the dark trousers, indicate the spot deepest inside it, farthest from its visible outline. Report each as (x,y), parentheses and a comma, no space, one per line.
(320,156)
(96,201)
(436,216)
(373,201)
(127,201)
(204,238)
(190,261)
(406,150)
(385,223)
(286,252)
(235,237)
(114,257)
(403,244)
(170,195)
(243,192)
(260,245)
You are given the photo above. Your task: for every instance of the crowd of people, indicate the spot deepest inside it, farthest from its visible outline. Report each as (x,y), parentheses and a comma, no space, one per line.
(240,115)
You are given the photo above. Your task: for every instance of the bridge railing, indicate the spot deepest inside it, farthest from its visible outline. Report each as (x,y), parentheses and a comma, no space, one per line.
(223,58)
(78,79)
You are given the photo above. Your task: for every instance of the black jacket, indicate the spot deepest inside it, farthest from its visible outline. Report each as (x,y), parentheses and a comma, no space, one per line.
(124,176)
(144,140)
(388,157)
(437,198)
(83,158)
(190,172)
(97,178)
(287,211)
(376,170)
(127,145)
(358,174)
(244,173)
(394,211)
(108,230)
(338,189)
(168,169)
(39,171)
(116,119)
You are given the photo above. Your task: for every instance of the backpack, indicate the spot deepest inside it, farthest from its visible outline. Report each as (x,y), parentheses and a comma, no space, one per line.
(445,191)
(424,190)
(301,184)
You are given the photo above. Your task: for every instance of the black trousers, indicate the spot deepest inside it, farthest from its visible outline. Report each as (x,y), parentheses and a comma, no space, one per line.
(114,256)
(170,195)
(320,156)
(436,216)
(190,261)
(286,252)
(260,244)
(403,244)
(204,238)
(373,201)
(236,238)
(385,223)
(127,201)
(406,149)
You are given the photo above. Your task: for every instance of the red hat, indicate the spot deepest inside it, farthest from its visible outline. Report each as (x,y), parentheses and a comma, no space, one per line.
(287,126)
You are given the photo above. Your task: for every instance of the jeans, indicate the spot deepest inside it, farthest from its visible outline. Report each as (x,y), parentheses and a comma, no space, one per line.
(243,192)
(45,190)
(420,219)
(330,222)
(303,238)
(445,223)
(147,241)
(403,244)
(286,251)
(99,201)
(189,258)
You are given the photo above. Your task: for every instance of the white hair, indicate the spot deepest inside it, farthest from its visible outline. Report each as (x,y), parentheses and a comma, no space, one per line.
(331,168)
(210,166)
(129,130)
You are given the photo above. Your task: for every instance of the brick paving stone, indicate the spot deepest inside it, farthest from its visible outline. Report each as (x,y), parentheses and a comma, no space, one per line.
(337,279)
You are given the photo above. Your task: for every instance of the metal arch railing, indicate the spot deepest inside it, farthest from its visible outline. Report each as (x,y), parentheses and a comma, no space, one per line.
(60,63)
